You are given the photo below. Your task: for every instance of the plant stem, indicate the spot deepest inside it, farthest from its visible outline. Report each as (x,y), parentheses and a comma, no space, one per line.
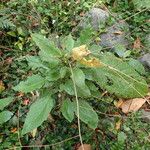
(77,103)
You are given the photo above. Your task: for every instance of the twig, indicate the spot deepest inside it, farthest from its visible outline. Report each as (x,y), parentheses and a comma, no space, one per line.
(77,103)
(15,147)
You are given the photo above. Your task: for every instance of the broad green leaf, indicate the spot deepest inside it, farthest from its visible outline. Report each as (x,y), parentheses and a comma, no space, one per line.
(35,62)
(69,43)
(118,78)
(137,66)
(63,72)
(4,102)
(81,92)
(38,113)
(32,83)
(53,75)
(5,116)
(86,36)
(45,45)
(79,79)
(51,60)
(67,110)
(87,114)
(67,87)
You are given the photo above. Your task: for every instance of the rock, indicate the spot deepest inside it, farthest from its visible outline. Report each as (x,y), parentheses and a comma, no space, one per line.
(115,35)
(146,116)
(94,17)
(145,60)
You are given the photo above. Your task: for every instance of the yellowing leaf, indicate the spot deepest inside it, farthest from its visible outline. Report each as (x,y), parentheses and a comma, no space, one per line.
(118,125)
(80,52)
(94,62)
(33,133)
(85,147)
(132,105)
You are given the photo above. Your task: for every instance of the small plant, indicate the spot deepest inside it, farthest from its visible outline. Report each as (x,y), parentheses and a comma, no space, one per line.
(75,74)
(70,75)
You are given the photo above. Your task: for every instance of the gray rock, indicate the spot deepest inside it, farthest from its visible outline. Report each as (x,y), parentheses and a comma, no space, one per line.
(115,35)
(94,17)
(145,60)
(146,116)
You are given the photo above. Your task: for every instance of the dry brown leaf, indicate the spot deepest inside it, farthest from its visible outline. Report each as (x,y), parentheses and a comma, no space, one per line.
(85,147)
(137,43)
(132,105)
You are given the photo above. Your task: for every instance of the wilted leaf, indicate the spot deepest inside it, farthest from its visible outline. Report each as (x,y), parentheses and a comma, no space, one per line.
(132,105)
(94,62)
(80,52)
(85,147)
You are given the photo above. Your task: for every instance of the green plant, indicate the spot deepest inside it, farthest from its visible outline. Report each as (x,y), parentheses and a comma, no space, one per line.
(70,75)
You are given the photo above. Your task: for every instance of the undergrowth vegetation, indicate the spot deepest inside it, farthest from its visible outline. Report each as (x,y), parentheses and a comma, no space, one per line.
(59,88)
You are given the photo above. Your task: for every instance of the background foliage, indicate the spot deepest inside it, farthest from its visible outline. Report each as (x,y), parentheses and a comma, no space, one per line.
(18,55)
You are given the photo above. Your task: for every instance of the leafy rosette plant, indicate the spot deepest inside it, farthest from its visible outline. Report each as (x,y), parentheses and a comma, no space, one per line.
(73,73)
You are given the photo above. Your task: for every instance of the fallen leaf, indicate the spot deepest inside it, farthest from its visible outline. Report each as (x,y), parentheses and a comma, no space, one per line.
(132,105)
(85,147)
(137,43)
